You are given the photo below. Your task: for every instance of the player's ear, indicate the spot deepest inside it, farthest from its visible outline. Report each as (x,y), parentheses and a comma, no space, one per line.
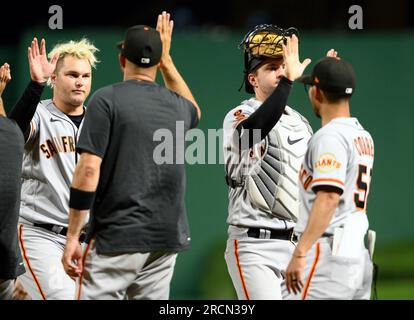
(252,80)
(53,78)
(121,61)
(318,94)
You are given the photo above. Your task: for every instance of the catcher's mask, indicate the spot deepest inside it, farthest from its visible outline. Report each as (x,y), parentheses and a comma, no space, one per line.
(262,42)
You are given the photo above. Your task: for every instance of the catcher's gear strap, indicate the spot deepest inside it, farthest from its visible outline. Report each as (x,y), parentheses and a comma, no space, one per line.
(267,115)
(234,183)
(25,108)
(80,200)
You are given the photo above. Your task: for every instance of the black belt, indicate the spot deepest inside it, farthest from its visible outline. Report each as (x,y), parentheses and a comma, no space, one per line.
(58,230)
(281,234)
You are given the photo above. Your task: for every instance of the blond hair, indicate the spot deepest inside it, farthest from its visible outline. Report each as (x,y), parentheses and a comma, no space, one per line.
(82,49)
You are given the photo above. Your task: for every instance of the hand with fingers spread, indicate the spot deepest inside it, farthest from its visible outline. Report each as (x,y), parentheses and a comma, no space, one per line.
(294,68)
(72,258)
(294,273)
(165,28)
(5,77)
(172,78)
(40,68)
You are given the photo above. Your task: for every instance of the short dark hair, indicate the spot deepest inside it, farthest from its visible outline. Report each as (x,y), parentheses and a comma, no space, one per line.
(334,97)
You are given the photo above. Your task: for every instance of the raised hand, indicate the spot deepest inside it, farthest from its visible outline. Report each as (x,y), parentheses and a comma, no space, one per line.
(165,27)
(5,77)
(332,53)
(293,67)
(40,68)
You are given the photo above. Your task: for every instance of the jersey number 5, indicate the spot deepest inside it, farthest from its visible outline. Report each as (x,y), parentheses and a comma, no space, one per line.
(363,182)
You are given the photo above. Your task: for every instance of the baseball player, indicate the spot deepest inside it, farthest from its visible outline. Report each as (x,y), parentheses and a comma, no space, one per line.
(138,217)
(51,128)
(264,143)
(330,260)
(11,154)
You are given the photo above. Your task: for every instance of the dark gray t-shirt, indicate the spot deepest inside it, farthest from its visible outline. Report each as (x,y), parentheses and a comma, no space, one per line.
(11,156)
(139,204)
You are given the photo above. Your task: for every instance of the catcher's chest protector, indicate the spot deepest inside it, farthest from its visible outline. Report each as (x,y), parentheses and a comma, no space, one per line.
(272,184)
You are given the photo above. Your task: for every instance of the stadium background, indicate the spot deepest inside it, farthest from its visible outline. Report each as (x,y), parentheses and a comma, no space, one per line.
(205,51)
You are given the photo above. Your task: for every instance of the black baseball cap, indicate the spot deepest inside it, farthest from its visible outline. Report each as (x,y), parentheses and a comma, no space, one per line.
(332,75)
(141,45)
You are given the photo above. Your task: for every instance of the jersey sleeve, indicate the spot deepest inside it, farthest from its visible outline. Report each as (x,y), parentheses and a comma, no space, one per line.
(186,109)
(329,160)
(95,133)
(191,111)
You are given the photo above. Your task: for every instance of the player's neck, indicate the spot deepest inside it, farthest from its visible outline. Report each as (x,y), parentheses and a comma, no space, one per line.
(68,109)
(333,111)
(140,74)
(138,77)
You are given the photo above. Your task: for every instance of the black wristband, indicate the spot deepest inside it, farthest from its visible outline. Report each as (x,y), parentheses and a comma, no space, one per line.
(81,200)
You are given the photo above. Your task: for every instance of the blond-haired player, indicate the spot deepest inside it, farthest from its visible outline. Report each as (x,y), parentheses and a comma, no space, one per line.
(51,128)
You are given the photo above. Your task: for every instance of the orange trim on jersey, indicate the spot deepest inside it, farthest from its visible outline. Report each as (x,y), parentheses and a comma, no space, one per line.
(236,246)
(315,262)
(24,253)
(83,268)
(33,128)
(328,180)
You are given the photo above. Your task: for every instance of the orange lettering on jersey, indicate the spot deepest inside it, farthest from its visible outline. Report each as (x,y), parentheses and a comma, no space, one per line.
(239,116)
(327,163)
(45,151)
(65,143)
(51,148)
(307,182)
(56,145)
(71,144)
(305,178)
(364,146)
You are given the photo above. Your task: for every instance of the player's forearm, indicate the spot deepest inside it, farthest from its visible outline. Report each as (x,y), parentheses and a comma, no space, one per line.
(86,174)
(268,114)
(25,108)
(175,82)
(84,183)
(76,223)
(320,217)
(2,111)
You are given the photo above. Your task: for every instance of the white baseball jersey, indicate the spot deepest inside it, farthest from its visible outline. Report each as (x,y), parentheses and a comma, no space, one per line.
(48,165)
(340,154)
(269,198)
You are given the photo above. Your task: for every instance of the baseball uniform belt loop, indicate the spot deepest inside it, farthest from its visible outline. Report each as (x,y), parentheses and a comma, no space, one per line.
(234,183)
(59,230)
(281,234)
